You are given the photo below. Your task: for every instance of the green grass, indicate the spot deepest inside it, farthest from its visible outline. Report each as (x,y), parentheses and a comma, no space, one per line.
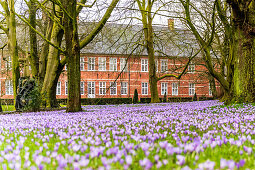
(8,108)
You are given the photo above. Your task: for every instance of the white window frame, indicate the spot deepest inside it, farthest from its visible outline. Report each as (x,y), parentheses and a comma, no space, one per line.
(192,89)
(102,64)
(210,90)
(191,68)
(164,88)
(91,89)
(113,64)
(164,65)
(113,88)
(144,88)
(8,63)
(58,90)
(123,62)
(8,87)
(156,64)
(82,65)
(175,89)
(144,65)
(66,87)
(123,88)
(91,63)
(82,88)
(102,88)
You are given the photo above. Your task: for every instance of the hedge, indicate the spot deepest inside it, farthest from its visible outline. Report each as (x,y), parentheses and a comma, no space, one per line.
(100,101)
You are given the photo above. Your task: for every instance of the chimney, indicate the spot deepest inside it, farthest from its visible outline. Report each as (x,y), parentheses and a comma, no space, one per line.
(171,24)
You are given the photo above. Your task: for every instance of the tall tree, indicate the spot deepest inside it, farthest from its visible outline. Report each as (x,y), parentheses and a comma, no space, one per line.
(10,30)
(145,8)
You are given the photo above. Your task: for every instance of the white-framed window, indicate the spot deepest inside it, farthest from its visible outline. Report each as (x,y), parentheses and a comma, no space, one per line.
(164,66)
(113,64)
(123,65)
(102,64)
(191,89)
(163,88)
(82,64)
(8,87)
(174,89)
(124,88)
(91,63)
(58,90)
(8,63)
(91,89)
(210,89)
(66,87)
(113,88)
(102,88)
(191,67)
(82,88)
(144,88)
(144,65)
(156,65)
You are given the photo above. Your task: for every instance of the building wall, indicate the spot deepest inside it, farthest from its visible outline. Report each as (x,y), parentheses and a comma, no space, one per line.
(133,76)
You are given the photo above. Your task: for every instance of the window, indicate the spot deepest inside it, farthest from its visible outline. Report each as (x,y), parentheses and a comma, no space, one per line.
(8,87)
(8,63)
(191,68)
(102,64)
(113,88)
(82,88)
(164,66)
(191,89)
(124,88)
(144,65)
(82,63)
(58,90)
(123,65)
(91,89)
(144,88)
(163,88)
(210,89)
(156,64)
(66,88)
(174,89)
(113,64)
(91,64)
(102,88)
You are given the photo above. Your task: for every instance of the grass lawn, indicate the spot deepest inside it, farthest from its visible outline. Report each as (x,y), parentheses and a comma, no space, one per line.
(182,136)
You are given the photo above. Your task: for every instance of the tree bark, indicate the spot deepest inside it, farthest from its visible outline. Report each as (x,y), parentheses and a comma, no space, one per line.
(12,40)
(73,56)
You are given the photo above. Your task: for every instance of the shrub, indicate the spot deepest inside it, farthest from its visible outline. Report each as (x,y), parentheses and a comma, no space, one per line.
(145,100)
(194,97)
(33,99)
(165,98)
(135,99)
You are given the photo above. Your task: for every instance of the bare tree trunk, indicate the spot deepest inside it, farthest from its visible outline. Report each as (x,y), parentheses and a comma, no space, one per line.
(73,56)
(11,22)
(33,58)
(52,69)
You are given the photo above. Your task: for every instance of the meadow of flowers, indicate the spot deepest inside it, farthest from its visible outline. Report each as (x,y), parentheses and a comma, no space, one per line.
(194,135)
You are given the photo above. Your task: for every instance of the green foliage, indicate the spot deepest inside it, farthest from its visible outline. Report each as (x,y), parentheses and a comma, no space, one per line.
(194,97)
(104,101)
(145,100)
(34,100)
(135,99)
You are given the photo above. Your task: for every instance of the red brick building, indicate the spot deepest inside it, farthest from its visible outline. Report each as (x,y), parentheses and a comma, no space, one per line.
(108,76)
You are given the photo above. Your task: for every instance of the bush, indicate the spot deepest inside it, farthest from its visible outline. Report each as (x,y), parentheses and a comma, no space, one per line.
(165,98)
(104,101)
(194,97)
(135,99)
(179,99)
(34,99)
(145,100)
